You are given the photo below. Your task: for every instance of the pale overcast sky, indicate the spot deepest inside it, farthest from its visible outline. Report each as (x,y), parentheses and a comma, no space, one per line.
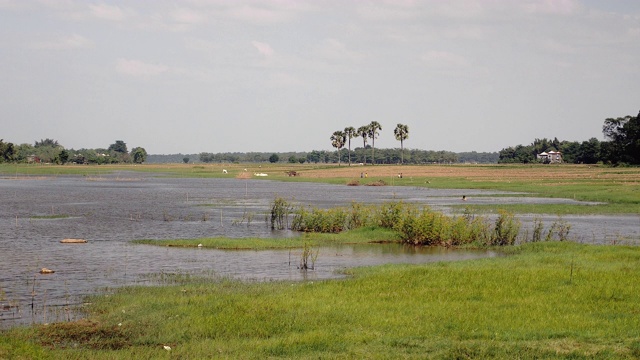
(224,76)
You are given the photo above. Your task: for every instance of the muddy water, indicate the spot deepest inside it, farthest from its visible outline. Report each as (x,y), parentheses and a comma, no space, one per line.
(109,211)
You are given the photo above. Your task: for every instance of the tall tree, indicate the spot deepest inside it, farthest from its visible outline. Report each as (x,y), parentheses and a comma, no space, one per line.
(337,140)
(401,133)
(372,130)
(139,155)
(46,142)
(119,146)
(624,133)
(364,132)
(350,132)
(7,151)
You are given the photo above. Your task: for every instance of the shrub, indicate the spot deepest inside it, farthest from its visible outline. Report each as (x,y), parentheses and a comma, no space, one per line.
(390,214)
(280,210)
(414,226)
(506,229)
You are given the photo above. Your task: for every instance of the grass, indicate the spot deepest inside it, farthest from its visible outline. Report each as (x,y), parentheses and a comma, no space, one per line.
(49,217)
(554,209)
(356,236)
(546,300)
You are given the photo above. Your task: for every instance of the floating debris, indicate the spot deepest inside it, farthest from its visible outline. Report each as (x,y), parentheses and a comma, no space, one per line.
(73,241)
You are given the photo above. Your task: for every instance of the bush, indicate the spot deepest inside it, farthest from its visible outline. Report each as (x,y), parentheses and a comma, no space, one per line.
(506,229)
(414,226)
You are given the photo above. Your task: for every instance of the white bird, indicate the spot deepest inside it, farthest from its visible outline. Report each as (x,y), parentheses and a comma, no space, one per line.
(224,171)
(168,348)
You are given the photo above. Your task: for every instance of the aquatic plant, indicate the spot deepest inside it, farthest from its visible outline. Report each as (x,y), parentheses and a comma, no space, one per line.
(506,229)
(308,257)
(538,227)
(280,210)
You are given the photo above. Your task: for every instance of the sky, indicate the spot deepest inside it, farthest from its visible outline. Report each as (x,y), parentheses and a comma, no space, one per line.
(276,76)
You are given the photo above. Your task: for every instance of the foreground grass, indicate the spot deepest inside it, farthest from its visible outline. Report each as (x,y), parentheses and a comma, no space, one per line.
(356,236)
(547,300)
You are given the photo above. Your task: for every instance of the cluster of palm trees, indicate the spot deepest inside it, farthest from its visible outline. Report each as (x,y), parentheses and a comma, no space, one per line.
(370,131)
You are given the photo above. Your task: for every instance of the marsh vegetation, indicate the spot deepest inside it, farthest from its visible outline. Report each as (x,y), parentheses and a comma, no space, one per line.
(547,299)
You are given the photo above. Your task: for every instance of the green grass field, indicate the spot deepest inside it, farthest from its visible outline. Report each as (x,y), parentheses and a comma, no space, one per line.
(544,300)
(357,236)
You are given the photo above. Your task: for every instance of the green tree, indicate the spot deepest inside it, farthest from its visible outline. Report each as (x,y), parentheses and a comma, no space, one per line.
(23,153)
(364,132)
(62,157)
(185,159)
(401,132)
(589,152)
(350,132)
(624,133)
(274,158)
(7,151)
(570,150)
(139,155)
(46,142)
(337,140)
(373,132)
(519,154)
(119,146)
(206,157)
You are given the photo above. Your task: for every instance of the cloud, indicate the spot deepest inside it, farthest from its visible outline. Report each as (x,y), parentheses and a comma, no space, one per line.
(107,12)
(260,15)
(562,7)
(444,60)
(188,16)
(451,64)
(140,69)
(263,48)
(335,50)
(70,42)
(283,80)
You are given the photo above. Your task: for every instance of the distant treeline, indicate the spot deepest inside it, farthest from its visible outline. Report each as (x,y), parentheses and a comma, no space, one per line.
(49,151)
(358,155)
(622,147)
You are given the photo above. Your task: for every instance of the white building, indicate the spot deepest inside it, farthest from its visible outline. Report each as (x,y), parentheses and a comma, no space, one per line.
(551,157)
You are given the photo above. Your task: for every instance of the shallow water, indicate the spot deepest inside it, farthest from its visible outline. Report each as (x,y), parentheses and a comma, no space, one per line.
(112,210)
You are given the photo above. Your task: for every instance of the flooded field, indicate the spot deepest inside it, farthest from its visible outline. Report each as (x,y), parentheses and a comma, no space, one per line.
(109,211)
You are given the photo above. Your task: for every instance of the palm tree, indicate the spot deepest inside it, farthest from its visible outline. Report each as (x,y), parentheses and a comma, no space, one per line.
(372,130)
(364,132)
(350,132)
(401,133)
(337,140)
